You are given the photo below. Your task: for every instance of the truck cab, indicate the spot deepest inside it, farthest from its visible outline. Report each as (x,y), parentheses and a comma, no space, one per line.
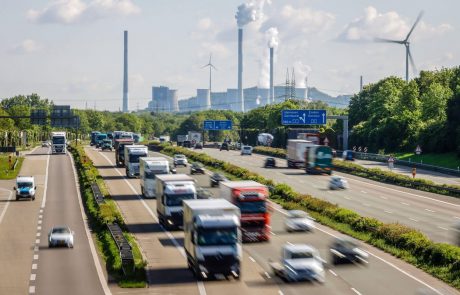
(119,147)
(25,187)
(132,155)
(100,139)
(149,168)
(212,238)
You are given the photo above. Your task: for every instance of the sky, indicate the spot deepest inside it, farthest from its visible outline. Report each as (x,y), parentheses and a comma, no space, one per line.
(71,51)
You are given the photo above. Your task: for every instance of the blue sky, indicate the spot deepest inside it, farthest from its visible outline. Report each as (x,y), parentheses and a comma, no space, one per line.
(71,50)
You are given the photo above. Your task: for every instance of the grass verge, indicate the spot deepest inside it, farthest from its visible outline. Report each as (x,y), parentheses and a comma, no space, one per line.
(6,169)
(447,160)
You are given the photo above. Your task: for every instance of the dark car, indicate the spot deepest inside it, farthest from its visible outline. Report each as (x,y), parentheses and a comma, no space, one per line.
(196,168)
(202,193)
(348,155)
(347,250)
(106,144)
(198,145)
(187,144)
(270,162)
(224,146)
(216,178)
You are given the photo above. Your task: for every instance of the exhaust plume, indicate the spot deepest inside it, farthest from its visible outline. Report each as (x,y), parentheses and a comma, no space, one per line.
(272,37)
(250,12)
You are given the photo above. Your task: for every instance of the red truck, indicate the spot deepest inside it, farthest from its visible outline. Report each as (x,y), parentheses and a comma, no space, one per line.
(251,197)
(120,150)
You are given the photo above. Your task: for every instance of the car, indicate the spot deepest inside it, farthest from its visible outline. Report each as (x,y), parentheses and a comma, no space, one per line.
(199,146)
(246,150)
(202,193)
(224,146)
(298,220)
(45,144)
(180,160)
(348,155)
(216,178)
(60,236)
(196,168)
(106,144)
(346,250)
(338,182)
(172,169)
(270,162)
(25,187)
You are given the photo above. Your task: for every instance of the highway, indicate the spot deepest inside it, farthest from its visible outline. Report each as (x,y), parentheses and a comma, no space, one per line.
(33,268)
(430,213)
(167,269)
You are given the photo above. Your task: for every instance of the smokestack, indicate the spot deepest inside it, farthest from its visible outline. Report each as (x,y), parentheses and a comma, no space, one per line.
(272,88)
(240,68)
(125,74)
(361,83)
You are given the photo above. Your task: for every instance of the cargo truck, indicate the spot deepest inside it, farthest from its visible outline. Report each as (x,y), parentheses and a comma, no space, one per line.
(318,159)
(149,168)
(295,155)
(194,137)
(120,150)
(132,155)
(181,139)
(58,142)
(100,139)
(93,137)
(251,198)
(212,238)
(171,190)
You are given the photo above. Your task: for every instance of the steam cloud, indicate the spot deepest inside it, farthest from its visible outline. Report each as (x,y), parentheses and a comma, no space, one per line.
(272,38)
(250,12)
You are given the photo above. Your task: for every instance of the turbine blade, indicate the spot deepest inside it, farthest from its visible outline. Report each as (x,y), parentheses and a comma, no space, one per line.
(211,65)
(415,24)
(205,66)
(383,40)
(210,57)
(412,63)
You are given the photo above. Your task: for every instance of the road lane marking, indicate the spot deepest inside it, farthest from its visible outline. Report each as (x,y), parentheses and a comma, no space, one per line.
(39,227)
(280,292)
(32,290)
(45,189)
(34,266)
(356,291)
(332,272)
(37,241)
(7,203)
(366,204)
(430,210)
(405,204)
(272,233)
(252,259)
(33,277)
(382,197)
(39,222)
(456,217)
(35,248)
(443,228)
(200,284)
(413,219)
(348,198)
(38,234)
(364,192)
(267,275)
(389,212)
(35,256)
(97,264)
(40,216)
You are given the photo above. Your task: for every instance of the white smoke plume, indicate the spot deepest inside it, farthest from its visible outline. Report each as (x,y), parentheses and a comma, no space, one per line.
(272,37)
(250,12)
(301,72)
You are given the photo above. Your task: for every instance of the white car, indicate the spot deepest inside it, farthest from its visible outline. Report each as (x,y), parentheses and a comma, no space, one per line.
(338,182)
(180,159)
(298,220)
(25,187)
(60,236)
(246,150)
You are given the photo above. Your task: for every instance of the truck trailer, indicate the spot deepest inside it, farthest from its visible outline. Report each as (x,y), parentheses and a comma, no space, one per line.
(149,168)
(58,142)
(132,155)
(295,155)
(212,238)
(318,159)
(251,198)
(119,147)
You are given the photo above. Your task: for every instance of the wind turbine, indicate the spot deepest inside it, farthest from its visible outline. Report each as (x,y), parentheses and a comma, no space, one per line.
(211,66)
(406,43)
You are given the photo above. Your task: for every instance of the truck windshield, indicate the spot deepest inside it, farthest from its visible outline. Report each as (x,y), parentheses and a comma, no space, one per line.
(135,158)
(176,200)
(58,140)
(217,236)
(24,184)
(151,174)
(252,206)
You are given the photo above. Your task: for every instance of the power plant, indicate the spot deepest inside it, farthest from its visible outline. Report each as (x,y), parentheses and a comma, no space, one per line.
(125,73)
(272,89)
(240,68)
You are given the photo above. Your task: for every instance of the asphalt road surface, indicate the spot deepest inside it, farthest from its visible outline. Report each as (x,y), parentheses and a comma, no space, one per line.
(167,269)
(433,214)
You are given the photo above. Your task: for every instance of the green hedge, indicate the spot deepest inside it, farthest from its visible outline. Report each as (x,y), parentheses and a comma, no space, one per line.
(98,218)
(439,259)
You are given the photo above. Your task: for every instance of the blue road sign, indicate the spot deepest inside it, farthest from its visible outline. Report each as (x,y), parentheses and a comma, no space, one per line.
(303,117)
(217,125)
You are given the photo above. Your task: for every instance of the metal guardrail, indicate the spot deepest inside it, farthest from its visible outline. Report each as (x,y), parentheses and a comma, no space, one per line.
(98,197)
(125,249)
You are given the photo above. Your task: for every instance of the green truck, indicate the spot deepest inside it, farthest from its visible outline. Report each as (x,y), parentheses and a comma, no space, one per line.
(318,159)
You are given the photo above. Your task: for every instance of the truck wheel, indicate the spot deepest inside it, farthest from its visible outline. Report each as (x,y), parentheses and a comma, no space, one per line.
(17,198)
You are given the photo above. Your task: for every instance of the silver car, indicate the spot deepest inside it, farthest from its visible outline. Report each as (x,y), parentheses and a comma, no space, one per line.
(60,236)
(338,182)
(298,220)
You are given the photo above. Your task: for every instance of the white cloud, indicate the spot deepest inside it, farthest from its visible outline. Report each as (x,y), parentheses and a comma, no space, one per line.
(204,24)
(389,25)
(72,11)
(26,46)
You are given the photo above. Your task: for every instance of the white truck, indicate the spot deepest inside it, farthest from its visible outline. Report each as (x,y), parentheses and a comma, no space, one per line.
(296,149)
(181,138)
(132,155)
(194,137)
(58,142)
(212,238)
(265,139)
(149,168)
(171,190)
(165,138)
(25,187)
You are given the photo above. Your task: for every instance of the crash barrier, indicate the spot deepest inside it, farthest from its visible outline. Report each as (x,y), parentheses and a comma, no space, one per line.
(16,161)
(126,252)
(98,197)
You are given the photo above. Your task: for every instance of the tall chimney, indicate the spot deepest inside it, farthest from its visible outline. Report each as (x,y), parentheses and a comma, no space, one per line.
(125,74)
(240,68)
(272,88)
(361,83)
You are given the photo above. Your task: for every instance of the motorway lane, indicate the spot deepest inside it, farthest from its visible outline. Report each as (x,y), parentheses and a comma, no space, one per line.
(430,213)
(18,226)
(63,270)
(167,266)
(377,277)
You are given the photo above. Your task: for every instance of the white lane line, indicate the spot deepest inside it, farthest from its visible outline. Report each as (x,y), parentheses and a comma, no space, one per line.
(332,272)
(37,241)
(34,266)
(364,192)
(201,288)
(38,234)
(366,204)
(430,210)
(348,198)
(356,291)
(33,277)
(97,263)
(35,256)
(41,210)
(252,259)
(413,219)
(267,275)
(282,211)
(39,222)
(382,197)
(405,204)
(39,227)
(35,248)
(443,228)
(45,190)
(290,243)
(7,203)
(280,292)
(456,217)
(32,290)
(389,212)
(40,216)
(272,233)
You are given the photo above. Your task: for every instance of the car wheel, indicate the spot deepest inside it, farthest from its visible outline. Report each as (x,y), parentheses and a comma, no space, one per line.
(17,198)
(33,198)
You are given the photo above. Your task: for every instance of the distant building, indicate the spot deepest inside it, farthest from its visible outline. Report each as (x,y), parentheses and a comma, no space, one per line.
(164,100)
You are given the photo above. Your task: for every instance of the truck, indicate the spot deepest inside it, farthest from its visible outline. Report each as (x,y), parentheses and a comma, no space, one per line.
(313,137)
(318,159)
(100,138)
(295,155)
(171,190)
(93,137)
(252,199)
(181,138)
(212,238)
(194,137)
(58,142)
(149,168)
(132,155)
(119,147)
(265,139)
(165,138)
(25,187)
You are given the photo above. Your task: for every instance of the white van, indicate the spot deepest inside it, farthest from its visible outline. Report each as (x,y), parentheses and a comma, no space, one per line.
(246,150)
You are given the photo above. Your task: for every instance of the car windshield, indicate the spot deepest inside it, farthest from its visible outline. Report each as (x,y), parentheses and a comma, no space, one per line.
(218,176)
(24,184)
(198,165)
(298,214)
(347,244)
(247,148)
(252,207)
(301,255)
(179,156)
(61,230)
(135,158)
(59,140)
(151,174)
(176,200)
(217,236)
